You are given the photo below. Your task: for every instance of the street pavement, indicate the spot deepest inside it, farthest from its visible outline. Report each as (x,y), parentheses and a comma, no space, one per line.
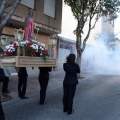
(97,98)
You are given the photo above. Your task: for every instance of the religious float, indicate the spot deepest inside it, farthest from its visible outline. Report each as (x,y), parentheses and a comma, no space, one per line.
(27,53)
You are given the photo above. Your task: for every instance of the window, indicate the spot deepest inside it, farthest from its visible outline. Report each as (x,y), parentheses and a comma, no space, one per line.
(49,8)
(29,3)
(66,47)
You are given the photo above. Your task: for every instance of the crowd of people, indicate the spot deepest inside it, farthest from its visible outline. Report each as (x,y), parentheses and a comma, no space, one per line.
(69,84)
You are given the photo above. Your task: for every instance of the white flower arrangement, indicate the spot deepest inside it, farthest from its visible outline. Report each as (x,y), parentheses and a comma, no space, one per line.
(33,48)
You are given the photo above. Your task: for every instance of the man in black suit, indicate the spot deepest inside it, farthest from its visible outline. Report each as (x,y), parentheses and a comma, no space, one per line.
(2,78)
(43,80)
(22,82)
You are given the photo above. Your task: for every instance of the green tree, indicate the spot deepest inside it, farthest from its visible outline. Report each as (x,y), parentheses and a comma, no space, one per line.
(90,11)
(7,8)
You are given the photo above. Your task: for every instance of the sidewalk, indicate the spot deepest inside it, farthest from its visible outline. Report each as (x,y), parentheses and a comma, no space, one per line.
(56,80)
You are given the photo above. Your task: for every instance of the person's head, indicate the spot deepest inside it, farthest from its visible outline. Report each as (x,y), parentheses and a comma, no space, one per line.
(71,58)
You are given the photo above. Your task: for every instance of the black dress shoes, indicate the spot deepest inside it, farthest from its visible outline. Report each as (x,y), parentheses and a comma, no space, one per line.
(42,103)
(71,112)
(5,91)
(24,97)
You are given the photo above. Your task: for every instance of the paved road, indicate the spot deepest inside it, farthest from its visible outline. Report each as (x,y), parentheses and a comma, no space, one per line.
(97,98)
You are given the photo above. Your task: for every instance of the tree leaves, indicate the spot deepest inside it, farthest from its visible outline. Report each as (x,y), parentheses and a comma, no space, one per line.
(87,10)
(90,8)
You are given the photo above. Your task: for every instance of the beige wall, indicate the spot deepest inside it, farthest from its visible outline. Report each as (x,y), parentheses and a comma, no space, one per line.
(40,37)
(39,16)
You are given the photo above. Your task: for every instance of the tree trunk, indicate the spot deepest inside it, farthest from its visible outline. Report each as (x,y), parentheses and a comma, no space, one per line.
(4,18)
(78,44)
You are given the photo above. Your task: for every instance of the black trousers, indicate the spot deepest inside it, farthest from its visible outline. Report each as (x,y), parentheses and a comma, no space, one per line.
(43,87)
(2,117)
(22,84)
(68,95)
(5,84)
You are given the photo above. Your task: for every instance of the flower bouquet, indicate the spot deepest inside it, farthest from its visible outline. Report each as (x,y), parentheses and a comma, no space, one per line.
(27,48)
(32,54)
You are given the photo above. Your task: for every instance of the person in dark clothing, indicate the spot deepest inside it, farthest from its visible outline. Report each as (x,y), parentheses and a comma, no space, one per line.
(2,116)
(22,82)
(2,78)
(5,85)
(7,71)
(43,80)
(69,84)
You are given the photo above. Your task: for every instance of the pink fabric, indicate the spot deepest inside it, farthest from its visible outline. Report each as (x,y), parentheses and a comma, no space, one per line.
(28,30)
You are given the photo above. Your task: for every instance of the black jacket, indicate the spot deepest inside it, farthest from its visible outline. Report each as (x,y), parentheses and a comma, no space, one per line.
(71,73)
(22,72)
(44,72)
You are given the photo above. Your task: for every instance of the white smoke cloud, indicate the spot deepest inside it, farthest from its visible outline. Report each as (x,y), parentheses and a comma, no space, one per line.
(101,60)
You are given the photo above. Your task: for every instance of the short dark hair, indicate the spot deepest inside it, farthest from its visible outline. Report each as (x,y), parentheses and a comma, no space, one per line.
(71,58)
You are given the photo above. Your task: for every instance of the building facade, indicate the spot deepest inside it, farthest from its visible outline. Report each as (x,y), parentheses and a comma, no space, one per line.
(47,16)
(107,24)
